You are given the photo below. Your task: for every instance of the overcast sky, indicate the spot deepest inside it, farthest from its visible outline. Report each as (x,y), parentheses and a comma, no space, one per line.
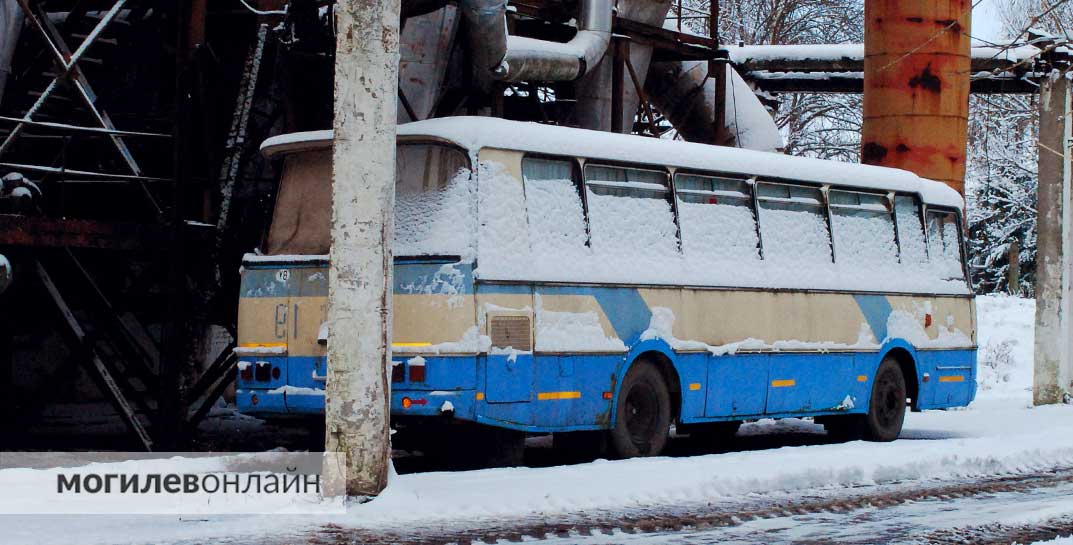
(985,22)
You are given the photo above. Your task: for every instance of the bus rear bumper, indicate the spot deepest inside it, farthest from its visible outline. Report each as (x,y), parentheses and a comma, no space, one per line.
(460,404)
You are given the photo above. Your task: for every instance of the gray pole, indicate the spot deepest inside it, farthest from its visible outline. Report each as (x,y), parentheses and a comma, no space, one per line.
(363,198)
(1053,354)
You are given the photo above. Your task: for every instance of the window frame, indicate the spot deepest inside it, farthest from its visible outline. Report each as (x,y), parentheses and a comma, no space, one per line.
(823,204)
(670,193)
(577,169)
(962,247)
(888,199)
(749,180)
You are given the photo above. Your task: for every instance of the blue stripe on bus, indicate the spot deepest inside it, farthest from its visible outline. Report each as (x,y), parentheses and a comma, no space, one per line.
(876,310)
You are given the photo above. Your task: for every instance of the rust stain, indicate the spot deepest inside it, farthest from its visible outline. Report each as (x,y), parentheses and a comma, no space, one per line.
(872,153)
(927,80)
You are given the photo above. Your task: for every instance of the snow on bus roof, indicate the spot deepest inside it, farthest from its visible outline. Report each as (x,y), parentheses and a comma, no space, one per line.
(475,133)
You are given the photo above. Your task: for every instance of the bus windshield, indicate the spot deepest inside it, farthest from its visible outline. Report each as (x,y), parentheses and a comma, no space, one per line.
(433,215)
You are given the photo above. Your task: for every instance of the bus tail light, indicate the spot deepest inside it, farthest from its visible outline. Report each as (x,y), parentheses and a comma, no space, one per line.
(245,370)
(417,371)
(396,371)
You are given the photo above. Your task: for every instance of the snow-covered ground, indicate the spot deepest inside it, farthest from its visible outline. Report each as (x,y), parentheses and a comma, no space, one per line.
(999,434)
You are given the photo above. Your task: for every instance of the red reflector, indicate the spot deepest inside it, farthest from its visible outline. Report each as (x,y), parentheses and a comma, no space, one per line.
(253,399)
(927,320)
(607,395)
(417,373)
(396,372)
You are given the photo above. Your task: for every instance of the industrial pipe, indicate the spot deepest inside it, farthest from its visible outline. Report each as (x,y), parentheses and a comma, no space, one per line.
(595,108)
(10,25)
(516,58)
(916,87)
(686,94)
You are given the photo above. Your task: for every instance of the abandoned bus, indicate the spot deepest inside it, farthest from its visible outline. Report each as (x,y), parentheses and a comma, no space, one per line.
(550,279)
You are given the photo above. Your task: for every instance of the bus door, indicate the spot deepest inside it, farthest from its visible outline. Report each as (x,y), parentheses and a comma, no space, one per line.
(509,367)
(811,382)
(737,385)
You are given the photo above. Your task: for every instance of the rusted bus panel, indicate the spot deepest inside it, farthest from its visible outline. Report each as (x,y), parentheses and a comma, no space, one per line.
(916,87)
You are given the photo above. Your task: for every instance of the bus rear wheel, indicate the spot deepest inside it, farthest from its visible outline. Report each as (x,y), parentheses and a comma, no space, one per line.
(886,409)
(643,413)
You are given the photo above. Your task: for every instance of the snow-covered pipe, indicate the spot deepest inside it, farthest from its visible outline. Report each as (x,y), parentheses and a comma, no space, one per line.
(516,58)
(686,95)
(594,90)
(10,25)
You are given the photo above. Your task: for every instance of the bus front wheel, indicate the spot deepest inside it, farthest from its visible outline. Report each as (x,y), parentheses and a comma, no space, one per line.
(643,413)
(886,410)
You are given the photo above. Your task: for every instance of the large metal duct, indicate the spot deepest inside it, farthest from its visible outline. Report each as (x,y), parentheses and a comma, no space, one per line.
(594,90)
(516,58)
(425,50)
(10,26)
(685,94)
(916,86)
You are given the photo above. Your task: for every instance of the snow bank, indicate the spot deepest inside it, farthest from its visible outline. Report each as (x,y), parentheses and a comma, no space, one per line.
(1005,331)
(994,439)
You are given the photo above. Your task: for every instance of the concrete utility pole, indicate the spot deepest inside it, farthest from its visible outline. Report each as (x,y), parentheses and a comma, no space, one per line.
(360,279)
(1053,377)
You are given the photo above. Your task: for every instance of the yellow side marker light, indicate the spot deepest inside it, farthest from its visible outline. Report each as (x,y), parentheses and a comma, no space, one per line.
(546,396)
(862,378)
(952,378)
(480,396)
(783,383)
(410,345)
(694,386)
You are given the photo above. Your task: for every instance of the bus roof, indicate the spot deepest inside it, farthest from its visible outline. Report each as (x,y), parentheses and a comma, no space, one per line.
(475,133)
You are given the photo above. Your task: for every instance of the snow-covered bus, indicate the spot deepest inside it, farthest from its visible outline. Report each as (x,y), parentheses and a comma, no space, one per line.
(558,280)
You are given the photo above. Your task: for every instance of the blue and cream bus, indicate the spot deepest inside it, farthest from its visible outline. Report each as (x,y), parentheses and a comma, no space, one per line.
(558,280)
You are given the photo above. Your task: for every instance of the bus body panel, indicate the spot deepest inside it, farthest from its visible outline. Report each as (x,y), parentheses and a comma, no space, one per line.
(573,388)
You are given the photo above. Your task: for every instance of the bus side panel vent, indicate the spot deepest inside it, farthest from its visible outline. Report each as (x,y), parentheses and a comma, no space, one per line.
(511,332)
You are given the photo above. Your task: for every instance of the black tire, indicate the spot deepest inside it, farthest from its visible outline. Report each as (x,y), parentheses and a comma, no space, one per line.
(886,409)
(642,413)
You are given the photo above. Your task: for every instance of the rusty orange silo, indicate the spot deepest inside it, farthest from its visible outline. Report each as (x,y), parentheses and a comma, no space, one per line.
(916,87)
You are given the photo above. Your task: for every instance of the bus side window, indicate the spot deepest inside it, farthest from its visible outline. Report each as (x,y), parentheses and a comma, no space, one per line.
(944,246)
(630,211)
(717,218)
(863,229)
(912,249)
(554,209)
(793,224)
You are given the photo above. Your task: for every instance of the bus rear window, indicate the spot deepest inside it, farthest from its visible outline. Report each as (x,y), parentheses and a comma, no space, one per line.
(434,201)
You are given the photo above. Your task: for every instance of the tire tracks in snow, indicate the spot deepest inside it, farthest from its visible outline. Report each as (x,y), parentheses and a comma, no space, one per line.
(711,516)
